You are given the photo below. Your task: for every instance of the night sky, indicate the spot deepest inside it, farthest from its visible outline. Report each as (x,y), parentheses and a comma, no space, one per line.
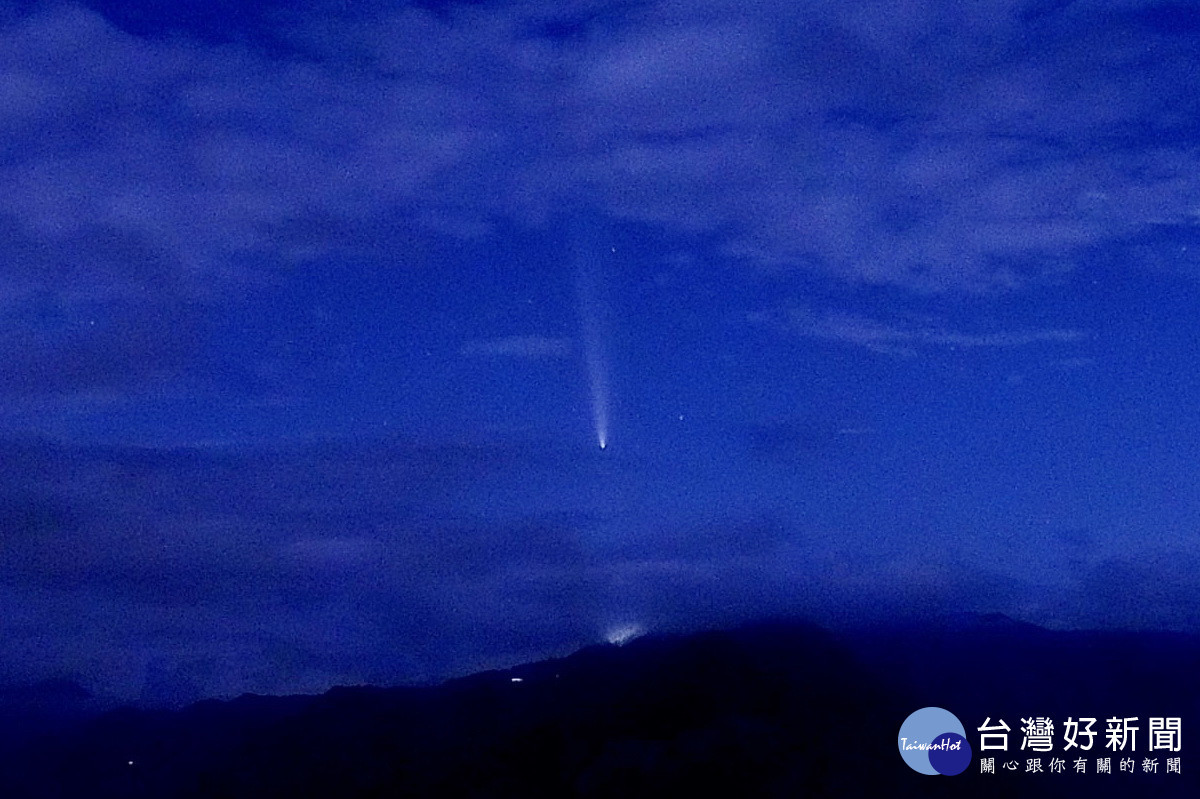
(314,318)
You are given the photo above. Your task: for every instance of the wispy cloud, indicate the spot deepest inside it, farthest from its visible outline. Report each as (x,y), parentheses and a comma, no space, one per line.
(897,339)
(813,135)
(155,166)
(524,347)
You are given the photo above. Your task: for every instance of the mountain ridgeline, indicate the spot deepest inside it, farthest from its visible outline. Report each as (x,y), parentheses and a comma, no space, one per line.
(777,708)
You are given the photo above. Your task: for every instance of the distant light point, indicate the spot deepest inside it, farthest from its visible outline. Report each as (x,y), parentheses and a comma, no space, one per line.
(517,679)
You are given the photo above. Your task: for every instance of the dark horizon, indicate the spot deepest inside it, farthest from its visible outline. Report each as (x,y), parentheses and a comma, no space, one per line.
(774,708)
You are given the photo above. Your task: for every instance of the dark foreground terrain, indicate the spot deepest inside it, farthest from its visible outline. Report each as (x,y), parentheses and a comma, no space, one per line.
(774,709)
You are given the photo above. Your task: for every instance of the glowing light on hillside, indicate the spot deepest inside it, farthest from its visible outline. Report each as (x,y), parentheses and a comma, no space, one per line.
(623,634)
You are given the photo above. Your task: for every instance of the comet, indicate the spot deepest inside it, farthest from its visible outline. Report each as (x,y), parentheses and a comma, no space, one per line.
(594,359)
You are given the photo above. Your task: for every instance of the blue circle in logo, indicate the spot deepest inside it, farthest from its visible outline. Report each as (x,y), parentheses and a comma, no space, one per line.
(933,741)
(953,756)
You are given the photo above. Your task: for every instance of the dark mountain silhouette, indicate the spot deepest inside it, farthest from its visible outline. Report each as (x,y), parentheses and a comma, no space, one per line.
(771,709)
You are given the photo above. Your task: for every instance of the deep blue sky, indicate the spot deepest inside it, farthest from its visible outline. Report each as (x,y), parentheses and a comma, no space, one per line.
(897,304)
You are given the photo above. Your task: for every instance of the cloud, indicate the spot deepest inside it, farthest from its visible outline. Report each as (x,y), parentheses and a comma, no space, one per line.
(182,572)
(522,347)
(905,340)
(796,440)
(888,149)
(164,164)
(361,561)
